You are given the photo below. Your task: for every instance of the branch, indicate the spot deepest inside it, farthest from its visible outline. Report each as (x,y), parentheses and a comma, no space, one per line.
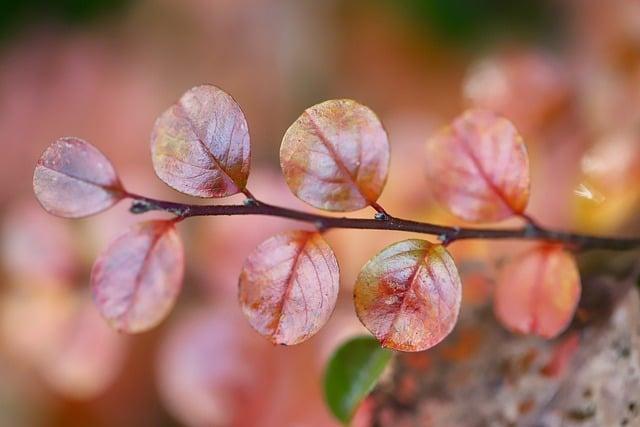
(384,221)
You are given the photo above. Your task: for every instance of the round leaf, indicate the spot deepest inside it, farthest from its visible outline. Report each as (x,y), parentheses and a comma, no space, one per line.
(289,286)
(538,292)
(408,295)
(335,156)
(478,167)
(135,282)
(200,145)
(352,372)
(74,179)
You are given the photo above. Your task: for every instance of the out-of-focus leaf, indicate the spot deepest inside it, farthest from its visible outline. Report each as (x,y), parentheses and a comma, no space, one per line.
(45,311)
(335,156)
(538,292)
(608,193)
(135,282)
(59,333)
(36,249)
(289,286)
(408,295)
(478,167)
(212,371)
(351,373)
(528,87)
(87,358)
(73,179)
(200,145)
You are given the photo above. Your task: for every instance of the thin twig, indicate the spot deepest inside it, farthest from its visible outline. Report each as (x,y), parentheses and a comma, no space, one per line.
(384,221)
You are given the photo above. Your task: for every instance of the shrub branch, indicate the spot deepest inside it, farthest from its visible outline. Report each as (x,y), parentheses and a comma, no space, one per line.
(384,221)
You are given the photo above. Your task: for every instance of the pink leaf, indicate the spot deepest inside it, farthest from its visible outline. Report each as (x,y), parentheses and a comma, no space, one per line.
(73,179)
(538,292)
(478,167)
(200,145)
(289,286)
(135,282)
(335,156)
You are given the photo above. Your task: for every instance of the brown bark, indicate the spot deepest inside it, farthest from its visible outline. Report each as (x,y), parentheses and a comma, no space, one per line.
(484,376)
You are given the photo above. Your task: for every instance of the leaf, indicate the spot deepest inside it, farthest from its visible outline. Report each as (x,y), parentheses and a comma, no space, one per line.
(607,195)
(478,167)
(57,333)
(351,374)
(335,156)
(74,179)
(527,85)
(200,145)
(408,295)
(538,292)
(88,356)
(36,249)
(289,286)
(212,371)
(135,282)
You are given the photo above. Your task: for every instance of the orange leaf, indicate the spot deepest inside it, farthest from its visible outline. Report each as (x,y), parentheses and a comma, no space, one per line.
(74,179)
(289,286)
(200,145)
(135,282)
(335,156)
(538,292)
(409,294)
(478,167)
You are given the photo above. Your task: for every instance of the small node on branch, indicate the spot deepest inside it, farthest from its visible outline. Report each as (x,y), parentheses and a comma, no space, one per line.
(181,212)
(531,229)
(530,222)
(140,207)
(381,216)
(250,202)
(321,226)
(445,239)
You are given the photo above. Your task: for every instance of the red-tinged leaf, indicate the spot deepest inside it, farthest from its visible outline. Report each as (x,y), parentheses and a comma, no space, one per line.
(335,156)
(289,286)
(478,167)
(408,295)
(73,179)
(135,282)
(538,292)
(200,145)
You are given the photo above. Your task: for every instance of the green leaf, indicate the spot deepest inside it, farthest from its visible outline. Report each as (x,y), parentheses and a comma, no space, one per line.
(352,372)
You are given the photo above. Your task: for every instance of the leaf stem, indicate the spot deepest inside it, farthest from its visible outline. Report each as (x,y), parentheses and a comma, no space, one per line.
(379,209)
(446,234)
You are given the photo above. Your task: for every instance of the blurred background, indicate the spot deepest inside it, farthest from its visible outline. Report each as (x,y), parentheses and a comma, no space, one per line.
(566,72)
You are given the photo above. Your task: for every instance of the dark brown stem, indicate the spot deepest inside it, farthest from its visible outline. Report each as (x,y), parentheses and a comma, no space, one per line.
(384,221)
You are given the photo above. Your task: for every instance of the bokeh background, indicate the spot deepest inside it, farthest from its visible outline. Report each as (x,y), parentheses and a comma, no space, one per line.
(566,72)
